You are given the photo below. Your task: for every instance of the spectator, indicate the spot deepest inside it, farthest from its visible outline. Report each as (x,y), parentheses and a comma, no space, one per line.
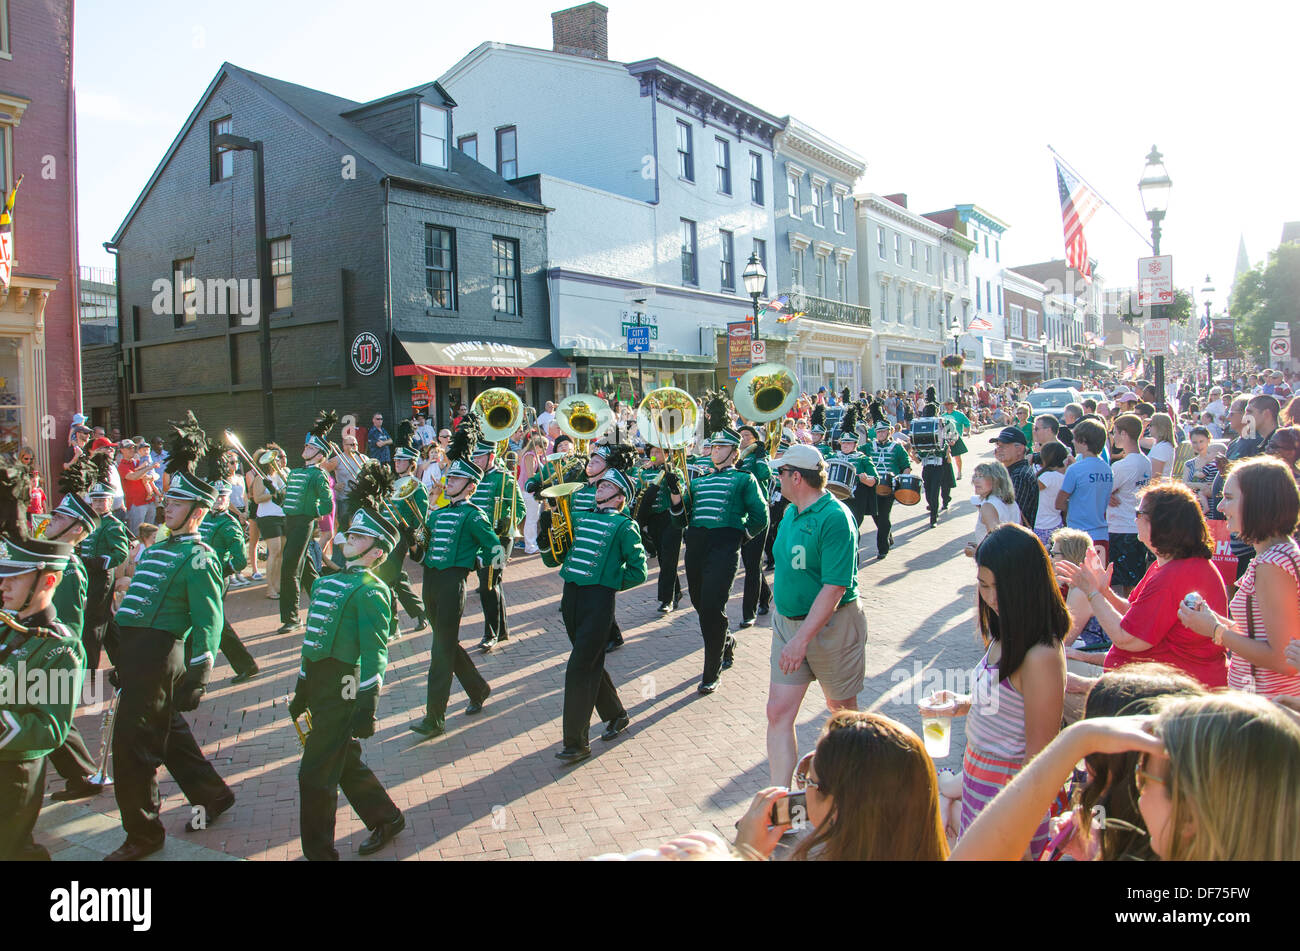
(1162,450)
(344,477)
(1009,449)
(532,460)
(1286,446)
(994,501)
(1015,709)
(544,418)
(1209,768)
(1086,489)
(1146,626)
(1255,422)
(424,431)
(135,476)
(1050,478)
(1130,473)
(270,524)
(78,439)
(872,795)
(1198,472)
(1085,635)
(461,411)
(1046,429)
(36,496)
(27,458)
(1262,506)
(1025,421)
(378,443)
(1072,413)
(1215,407)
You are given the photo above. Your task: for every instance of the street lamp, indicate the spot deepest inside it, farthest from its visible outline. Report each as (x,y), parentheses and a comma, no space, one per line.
(955,329)
(1042,341)
(755,278)
(1208,293)
(1154,188)
(266,301)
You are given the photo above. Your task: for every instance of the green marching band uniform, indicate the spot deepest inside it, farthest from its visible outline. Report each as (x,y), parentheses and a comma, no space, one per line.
(171,620)
(410,514)
(862,501)
(223,533)
(32,727)
(604,458)
(889,459)
(496,485)
(460,538)
(305,499)
(665,536)
(720,511)
(344,656)
(758,593)
(606,557)
(102,551)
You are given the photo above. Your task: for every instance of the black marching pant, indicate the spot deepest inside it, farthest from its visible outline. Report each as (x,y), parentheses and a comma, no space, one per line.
(331,760)
(98,628)
(72,760)
(294,564)
(240,659)
(493,600)
(757,591)
(393,573)
(712,557)
(668,539)
(884,508)
(938,481)
(444,603)
(150,733)
(588,612)
(774,513)
(22,788)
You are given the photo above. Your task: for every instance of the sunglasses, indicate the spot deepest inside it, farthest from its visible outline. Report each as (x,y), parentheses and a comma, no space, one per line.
(801,778)
(1141,777)
(1140,513)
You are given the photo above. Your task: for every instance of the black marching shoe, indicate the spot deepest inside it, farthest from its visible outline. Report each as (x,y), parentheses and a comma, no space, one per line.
(476,706)
(746,622)
(709,687)
(288,627)
(613,646)
(130,851)
(763,609)
(615,727)
(569,755)
(78,789)
(677,599)
(487,644)
(665,607)
(421,624)
(382,835)
(428,729)
(246,675)
(729,652)
(214,812)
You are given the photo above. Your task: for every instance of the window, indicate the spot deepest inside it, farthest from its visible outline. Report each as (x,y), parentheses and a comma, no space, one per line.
(912,250)
(508,152)
(685,155)
(929,313)
(690,272)
(796,269)
(977,292)
(792,194)
(842,281)
(929,264)
(899,301)
(440,267)
(1031,325)
(997,251)
(821,275)
(1017,321)
(282,271)
(999,300)
(818,193)
(916,308)
(4,27)
(756,178)
(880,242)
(986,246)
(505,276)
(468,144)
(964,276)
(183,272)
(433,136)
(722,161)
(223,160)
(898,248)
(728,260)
(837,209)
(884,303)
(760,249)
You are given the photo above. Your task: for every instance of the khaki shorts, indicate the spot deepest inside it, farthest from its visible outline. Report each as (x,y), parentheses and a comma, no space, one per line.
(837,655)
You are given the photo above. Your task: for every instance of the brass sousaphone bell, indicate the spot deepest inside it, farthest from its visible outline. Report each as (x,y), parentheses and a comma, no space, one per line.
(764,395)
(583,418)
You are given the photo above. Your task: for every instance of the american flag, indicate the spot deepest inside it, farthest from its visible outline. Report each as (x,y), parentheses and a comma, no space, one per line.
(7,236)
(1078,204)
(1205,329)
(793,315)
(979,323)
(776,304)
(1090,337)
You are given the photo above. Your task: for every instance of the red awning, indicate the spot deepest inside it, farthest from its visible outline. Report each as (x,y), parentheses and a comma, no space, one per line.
(459,357)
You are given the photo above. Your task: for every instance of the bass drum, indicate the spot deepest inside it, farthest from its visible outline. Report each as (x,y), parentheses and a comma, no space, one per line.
(840,478)
(885,485)
(907,489)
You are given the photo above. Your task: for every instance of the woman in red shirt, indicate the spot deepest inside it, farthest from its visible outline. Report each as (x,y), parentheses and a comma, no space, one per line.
(1145,627)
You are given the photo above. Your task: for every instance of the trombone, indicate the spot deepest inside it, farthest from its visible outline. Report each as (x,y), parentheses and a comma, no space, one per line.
(276,471)
(352,470)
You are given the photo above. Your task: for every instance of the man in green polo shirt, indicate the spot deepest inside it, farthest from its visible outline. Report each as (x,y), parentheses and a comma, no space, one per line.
(819,631)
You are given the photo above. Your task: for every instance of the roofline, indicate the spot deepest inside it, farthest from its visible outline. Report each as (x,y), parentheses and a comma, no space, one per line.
(415,184)
(871,200)
(404,94)
(988,220)
(487,46)
(656,64)
(802,131)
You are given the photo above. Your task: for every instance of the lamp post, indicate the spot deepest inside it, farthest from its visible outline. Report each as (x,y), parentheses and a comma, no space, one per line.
(1154,188)
(1042,341)
(1208,293)
(266,301)
(955,330)
(755,278)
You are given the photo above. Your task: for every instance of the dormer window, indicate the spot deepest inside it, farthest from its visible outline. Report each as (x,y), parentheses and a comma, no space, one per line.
(433,136)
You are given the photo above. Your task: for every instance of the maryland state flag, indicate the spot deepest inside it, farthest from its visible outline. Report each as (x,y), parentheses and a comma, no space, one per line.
(7,235)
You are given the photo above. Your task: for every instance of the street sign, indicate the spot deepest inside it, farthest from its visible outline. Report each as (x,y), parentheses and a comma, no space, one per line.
(1156,280)
(740,352)
(638,340)
(654,330)
(759,351)
(642,295)
(1281,330)
(1155,337)
(1280,346)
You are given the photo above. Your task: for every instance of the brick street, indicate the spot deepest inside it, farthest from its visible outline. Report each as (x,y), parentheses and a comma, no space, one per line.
(490,788)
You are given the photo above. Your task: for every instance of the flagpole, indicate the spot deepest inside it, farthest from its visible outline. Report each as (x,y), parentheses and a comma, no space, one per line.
(1145,238)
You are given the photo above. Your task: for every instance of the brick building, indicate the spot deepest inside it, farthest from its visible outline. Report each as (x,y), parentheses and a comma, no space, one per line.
(398,265)
(40,370)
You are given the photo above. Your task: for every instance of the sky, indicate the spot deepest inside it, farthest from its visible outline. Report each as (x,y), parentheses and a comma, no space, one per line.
(948,102)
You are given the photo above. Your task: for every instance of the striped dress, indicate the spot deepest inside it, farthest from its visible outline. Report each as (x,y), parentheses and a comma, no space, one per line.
(995,749)
(1266,683)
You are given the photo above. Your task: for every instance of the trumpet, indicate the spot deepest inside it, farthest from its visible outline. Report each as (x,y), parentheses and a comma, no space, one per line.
(352,469)
(101,777)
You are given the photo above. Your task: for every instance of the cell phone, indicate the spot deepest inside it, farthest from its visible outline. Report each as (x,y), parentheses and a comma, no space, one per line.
(790,809)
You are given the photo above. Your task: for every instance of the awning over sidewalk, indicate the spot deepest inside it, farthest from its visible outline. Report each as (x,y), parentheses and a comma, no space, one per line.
(454,356)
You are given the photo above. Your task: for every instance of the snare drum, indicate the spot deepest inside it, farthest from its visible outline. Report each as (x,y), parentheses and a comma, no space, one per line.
(885,485)
(908,489)
(840,478)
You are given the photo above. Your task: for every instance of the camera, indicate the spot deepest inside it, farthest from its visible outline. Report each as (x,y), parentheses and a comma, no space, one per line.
(790,809)
(1193,601)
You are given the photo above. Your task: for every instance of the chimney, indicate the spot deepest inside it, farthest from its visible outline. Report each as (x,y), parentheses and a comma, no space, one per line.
(581,31)
(900,199)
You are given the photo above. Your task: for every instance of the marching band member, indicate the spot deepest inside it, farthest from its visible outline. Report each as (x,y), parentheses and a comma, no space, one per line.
(776,507)
(862,502)
(758,594)
(606,557)
(306,497)
(459,539)
(889,458)
(392,571)
(31,730)
(665,535)
(346,643)
(102,551)
(171,622)
(605,457)
(496,485)
(221,531)
(936,464)
(720,512)
(818,429)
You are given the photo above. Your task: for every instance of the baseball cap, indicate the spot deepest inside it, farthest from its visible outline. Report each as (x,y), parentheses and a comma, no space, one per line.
(127,444)
(103,442)
(1012,435)
(78,428)
(1128,397)
(800,456)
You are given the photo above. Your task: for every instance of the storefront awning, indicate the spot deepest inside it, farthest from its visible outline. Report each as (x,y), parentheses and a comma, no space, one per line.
(455,356)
